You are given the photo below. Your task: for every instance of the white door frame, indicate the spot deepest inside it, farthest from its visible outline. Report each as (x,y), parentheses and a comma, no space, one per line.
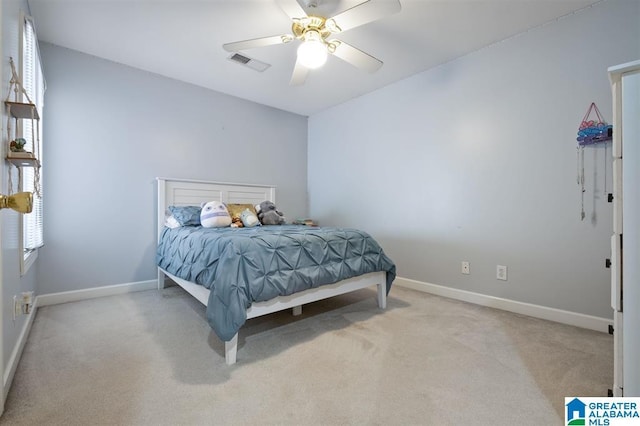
(1,260)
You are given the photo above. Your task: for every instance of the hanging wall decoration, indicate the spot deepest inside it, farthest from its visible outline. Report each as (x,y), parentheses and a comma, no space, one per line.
(17,110)
(592,130)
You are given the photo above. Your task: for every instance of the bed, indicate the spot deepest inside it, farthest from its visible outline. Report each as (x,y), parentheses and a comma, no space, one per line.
(243,273)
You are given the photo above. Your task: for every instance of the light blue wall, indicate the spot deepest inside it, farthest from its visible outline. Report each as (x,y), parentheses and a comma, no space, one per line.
(110,130)
(476,160)
(12,283)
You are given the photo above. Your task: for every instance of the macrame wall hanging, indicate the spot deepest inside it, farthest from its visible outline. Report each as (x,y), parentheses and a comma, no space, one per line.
(16,154)
(592,130)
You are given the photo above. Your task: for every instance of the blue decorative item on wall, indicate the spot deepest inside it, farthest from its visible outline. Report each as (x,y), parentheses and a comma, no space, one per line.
(594,131)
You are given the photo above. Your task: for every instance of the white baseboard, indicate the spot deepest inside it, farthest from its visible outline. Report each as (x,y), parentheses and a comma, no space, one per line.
(536,311)
(14,359)
(91,293)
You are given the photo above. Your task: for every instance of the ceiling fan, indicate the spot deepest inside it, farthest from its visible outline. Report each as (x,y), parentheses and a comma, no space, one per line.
(315,34)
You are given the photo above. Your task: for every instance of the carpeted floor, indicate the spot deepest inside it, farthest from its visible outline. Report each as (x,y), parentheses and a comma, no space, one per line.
(150,358)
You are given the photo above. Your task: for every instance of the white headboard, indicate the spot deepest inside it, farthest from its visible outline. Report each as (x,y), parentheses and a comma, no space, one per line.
(186,192)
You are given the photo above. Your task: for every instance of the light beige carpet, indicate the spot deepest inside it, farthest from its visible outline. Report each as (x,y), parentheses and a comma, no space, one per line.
(150,358)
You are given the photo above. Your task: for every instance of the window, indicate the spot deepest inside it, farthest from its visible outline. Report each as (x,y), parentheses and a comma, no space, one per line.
(30,177)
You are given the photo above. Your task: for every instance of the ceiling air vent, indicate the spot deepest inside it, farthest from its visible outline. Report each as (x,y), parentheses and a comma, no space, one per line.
(254,64)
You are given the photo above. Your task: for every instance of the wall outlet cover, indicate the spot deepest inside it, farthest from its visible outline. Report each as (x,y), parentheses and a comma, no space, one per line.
(501,272)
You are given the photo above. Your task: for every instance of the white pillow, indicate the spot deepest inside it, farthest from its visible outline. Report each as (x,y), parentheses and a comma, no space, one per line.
(171,222)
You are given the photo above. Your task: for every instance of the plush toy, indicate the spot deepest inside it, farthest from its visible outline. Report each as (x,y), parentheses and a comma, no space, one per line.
(214,214)
(268,214)
(17,145)
(235,211)
(249,218)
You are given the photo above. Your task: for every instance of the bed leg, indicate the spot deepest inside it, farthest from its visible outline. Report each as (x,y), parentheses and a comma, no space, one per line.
(160,279)
(231,350)
(382,296)
(297,310)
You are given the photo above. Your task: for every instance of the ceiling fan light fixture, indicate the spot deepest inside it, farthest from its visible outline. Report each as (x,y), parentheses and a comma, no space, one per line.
(312,53)
(314,35)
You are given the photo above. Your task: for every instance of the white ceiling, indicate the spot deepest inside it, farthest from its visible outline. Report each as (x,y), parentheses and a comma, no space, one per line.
(182,39)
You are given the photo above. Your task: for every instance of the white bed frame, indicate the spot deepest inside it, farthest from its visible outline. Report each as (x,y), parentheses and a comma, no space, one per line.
(184,192)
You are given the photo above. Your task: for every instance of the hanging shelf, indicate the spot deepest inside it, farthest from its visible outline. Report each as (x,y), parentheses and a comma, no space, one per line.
(22,159)
(23,162)
(20,110)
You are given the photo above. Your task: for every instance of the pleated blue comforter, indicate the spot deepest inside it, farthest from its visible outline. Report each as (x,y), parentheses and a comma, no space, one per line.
(245,265)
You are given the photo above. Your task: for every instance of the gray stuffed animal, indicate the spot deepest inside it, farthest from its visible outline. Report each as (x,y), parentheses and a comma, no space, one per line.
(268,214)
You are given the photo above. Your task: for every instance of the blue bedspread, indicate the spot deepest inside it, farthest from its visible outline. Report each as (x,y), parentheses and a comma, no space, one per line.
(245,265)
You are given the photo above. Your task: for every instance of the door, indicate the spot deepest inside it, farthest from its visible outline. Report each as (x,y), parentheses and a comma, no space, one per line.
(625,247)
(631,231)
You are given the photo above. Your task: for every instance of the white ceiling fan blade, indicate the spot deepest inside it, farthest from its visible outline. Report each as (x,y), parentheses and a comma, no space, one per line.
(292,8)
(355,57)
(257,42)
(299,75)
(363,13)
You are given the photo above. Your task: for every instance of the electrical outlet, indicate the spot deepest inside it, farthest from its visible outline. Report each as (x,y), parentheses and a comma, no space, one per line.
(26,302)
(465,268)
(501,272)
(27,297)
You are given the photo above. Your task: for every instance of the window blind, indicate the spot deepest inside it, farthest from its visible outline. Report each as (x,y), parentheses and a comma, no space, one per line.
(34,85)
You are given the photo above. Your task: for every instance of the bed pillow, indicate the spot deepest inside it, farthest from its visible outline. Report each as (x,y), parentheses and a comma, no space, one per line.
(186,215)
(235,211)
(171,222)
